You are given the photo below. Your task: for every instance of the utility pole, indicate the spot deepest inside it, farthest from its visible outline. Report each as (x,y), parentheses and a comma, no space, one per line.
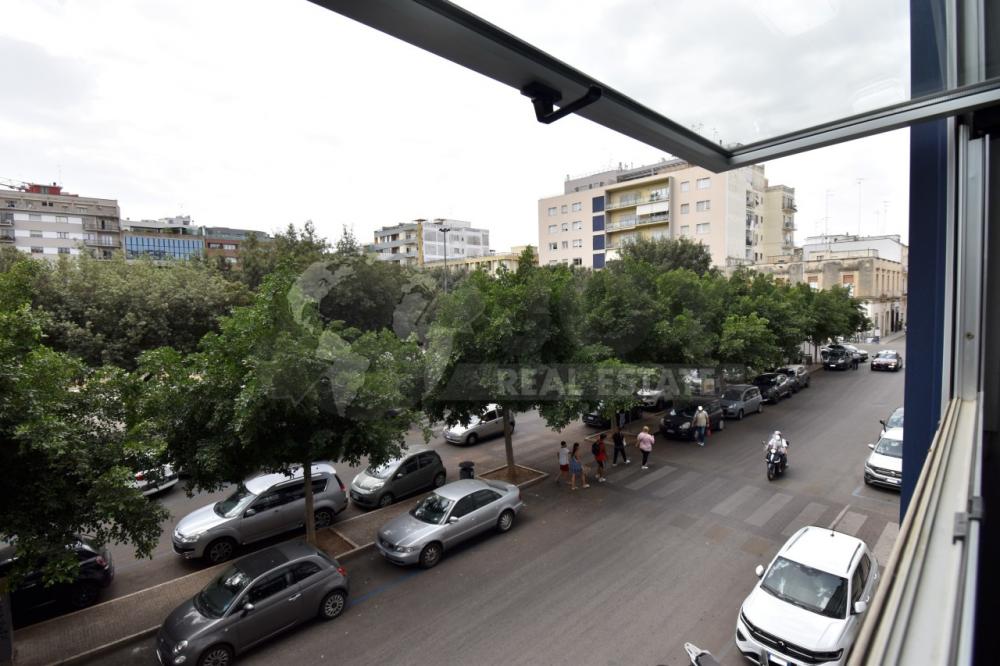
(860,180)
(445,231)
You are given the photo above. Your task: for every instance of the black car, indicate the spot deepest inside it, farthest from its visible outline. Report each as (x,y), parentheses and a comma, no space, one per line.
(839,358)
(596,419)
(95,573)
(797,374)
(677,422)
(773,386)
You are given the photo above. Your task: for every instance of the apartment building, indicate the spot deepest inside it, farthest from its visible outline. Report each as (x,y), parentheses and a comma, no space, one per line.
(46,222)
(166,239)
(227,242)
(491,263)
(777,228)
(872,268)
(420,241)
(599,213)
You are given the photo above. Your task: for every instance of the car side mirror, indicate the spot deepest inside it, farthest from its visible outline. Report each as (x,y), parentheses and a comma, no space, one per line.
(871,446)
(860,607)
(453,520)
(759,570)
(250,512)
(883,424)
(248,608)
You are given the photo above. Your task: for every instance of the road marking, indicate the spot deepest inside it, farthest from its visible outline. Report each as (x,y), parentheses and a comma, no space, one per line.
(860,492)
(676,484)
(851,523)
(840,515)
(650,477)
(769,509)
(886,540)
(808,516)
(734,501)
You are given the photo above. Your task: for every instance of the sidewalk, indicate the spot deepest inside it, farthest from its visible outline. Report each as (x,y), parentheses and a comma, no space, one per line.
(85,635)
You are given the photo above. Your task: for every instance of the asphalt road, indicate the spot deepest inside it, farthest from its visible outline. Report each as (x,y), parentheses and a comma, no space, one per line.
(623,572)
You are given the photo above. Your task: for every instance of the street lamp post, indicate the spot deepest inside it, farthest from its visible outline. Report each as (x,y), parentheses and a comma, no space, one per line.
(445,231)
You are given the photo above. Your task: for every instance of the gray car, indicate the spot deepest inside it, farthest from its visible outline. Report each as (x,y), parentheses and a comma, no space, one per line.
(261,507)
(418,469)
(490,424)
(447,517)
(253,599)
(740,399)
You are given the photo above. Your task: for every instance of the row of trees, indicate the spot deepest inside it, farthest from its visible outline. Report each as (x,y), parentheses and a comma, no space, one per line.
(315,352)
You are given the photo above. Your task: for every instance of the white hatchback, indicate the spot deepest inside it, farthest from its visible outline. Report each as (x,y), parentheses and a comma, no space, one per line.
(809,603)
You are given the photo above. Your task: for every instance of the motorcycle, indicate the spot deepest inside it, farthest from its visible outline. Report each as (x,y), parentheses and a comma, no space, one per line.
(775,463)
(700,657)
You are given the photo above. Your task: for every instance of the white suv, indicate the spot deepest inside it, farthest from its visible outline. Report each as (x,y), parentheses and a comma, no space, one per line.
(808,605)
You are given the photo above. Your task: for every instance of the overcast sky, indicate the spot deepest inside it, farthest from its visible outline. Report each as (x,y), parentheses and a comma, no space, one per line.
(257,113)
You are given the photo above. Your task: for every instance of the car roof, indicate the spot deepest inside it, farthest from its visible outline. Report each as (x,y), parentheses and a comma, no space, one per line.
(887,351)
(893,433)
(823,549)
(259,484)
(456,490)
(793,366)
(740,387)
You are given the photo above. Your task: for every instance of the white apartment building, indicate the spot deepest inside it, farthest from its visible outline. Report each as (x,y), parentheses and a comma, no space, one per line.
(420,241)
(46,222)
(597,214)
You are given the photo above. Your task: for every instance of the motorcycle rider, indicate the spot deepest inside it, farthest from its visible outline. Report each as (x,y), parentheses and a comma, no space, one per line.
(781,444)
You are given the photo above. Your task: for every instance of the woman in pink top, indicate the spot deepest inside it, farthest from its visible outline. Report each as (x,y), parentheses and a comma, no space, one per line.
(645,442)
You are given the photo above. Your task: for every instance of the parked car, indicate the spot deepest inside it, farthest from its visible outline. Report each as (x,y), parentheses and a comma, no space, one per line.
(895,420)
(656,399)
(419,469)
(740,399)
(450,515)
(677,422)
(490,424)
(810,602)
(595,418)
(151,482)
(797,374)
(887,359)
(260,507)
(95,573)
(884,466)
(838,358)
(253,599)
(860,354)
(773,386)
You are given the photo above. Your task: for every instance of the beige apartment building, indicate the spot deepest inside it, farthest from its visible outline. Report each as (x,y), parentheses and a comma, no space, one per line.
(491,263)
(598,214)
(777,229)
(46,222)
(420,241)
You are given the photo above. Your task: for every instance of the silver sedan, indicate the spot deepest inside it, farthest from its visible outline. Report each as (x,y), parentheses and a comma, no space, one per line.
(451,514)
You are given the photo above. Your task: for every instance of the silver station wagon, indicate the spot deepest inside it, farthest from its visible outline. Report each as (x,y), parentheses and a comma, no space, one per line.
(448,516)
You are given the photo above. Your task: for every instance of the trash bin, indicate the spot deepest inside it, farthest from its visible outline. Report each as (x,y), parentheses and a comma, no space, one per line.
(466,470)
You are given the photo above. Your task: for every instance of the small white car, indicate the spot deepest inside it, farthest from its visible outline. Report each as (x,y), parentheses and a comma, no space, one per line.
(151,482)
(490,424)
(810,602)
(884,466)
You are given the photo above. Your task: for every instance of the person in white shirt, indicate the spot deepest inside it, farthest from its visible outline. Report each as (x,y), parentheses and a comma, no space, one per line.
(563,463)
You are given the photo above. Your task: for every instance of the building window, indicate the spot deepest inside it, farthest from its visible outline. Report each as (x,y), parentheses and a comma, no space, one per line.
(597,205)
(35,233)
(64,250)
(599,260)
(577,261)
(63,235)
(35,217)
(599,244)
(553,228)
(703,206)
(565,209)
(686,186)
(702,228)
(578,226)
(61,218)
(704,183)
(37,250)
(685,209)
(685,229)
(565,245)
(81,209)
(229,246)
(564,226)
(553,246)
(578,242)
(552,211)
(577,207)
(598,223)
(11,203)
(553,262)
(813,282)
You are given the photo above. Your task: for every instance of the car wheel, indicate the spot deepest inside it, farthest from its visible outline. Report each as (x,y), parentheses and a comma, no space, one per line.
(217,655)
(505,521)
(322,518)
(333,605)
(385,500)
(739,415)
(439,479)
(83,594)
(471,439)
(430,555)
(220,550)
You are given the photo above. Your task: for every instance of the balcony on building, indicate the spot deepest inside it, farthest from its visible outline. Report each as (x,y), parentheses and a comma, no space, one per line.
(102,224)
(788,205)
(101,242)
(630,199)
(6,219)
(6,235)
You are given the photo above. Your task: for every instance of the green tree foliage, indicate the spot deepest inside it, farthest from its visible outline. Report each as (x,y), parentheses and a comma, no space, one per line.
(292,249)
(747,339)
(666,254)
(111,311)
(276,387)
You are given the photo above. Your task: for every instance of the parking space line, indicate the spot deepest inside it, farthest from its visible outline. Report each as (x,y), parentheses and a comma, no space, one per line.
(769,509)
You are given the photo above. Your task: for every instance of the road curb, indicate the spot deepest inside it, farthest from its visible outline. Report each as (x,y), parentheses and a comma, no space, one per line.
(93,653)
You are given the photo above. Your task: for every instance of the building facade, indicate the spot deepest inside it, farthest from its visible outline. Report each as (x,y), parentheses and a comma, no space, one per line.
(226,243)
(46,222)
(777,229)
(166,239)
(491,263)
(420,241)
(599,213)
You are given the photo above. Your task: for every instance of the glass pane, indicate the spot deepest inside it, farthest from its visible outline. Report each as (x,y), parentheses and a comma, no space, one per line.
(735,71)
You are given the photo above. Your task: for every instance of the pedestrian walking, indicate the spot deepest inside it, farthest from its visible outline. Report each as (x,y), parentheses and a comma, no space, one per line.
(645,442)
(600,451)
(576,468)
(700,423)
(563,463)
(619,448)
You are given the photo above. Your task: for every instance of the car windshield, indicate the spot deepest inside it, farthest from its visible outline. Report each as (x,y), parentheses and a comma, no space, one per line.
(889,447)
(765,380)
(235,503)
(382,471)
(816,591)
(896,420)
(732,394)
(886,354)
(432,509)
(216,598)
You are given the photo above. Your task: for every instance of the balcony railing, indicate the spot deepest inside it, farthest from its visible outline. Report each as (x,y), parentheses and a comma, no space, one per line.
(6,235)
(624,223)
(655,218)
(101,225)
(6,219)
(789,205)
(101,242)
(625,202)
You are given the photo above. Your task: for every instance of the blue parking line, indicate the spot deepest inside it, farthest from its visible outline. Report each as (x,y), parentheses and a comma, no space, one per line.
(354,601)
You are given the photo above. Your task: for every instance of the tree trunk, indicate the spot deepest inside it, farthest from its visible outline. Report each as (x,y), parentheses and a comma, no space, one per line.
(310,517)
(6,625)
(508,444)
